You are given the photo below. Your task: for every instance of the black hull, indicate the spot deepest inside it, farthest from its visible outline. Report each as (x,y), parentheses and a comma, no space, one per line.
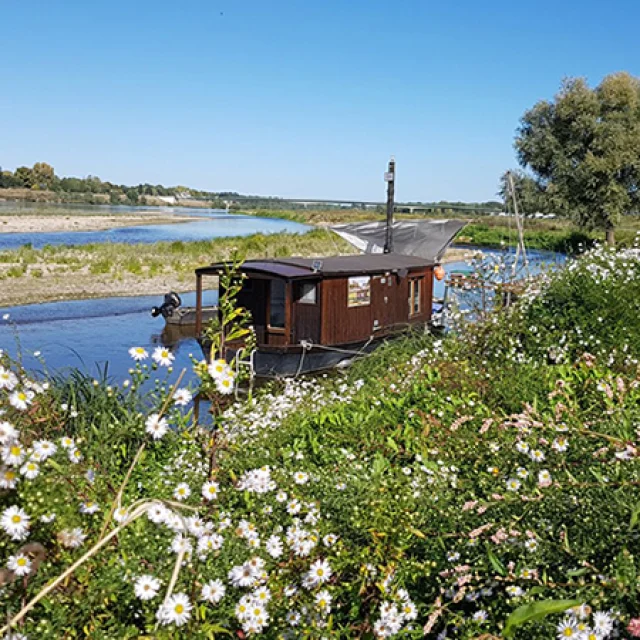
(286,364)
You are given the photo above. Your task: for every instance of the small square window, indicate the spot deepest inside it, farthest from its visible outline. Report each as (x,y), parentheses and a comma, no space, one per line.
(307,293)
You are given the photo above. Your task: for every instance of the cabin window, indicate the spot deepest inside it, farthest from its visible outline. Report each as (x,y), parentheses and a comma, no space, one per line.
(307,293)
(277,304)
(415,286)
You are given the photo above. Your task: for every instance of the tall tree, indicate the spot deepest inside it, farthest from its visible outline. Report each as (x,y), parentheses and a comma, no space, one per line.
(584,149)
(24,175)
(43,175)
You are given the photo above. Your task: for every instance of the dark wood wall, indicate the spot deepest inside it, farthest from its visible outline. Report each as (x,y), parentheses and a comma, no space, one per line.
(341,324)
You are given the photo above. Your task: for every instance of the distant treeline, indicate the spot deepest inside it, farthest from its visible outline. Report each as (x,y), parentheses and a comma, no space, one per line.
(42,177)
(42,183)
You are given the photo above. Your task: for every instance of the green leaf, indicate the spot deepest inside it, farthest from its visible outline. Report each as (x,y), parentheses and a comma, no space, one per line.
(496,564)
(535,611)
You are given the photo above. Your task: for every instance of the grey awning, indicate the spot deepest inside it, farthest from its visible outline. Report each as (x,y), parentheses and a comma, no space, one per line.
(427,239)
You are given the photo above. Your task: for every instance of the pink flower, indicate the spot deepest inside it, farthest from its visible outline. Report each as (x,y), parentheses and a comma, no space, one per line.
(634,627)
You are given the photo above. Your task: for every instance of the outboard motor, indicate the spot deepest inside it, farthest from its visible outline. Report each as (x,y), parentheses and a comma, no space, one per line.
(171,302)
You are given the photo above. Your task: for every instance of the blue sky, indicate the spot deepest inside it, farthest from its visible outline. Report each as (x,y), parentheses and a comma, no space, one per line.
(301,98)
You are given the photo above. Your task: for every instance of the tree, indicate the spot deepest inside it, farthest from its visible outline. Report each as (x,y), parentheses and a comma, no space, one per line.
(584,150)
(24,176)
(43,175)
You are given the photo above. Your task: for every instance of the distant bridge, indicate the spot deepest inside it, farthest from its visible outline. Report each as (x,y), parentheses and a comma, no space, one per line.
(363,204)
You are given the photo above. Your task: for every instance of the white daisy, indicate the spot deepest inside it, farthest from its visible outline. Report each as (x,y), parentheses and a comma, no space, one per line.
(138,353)
(300,477)
(120,514)
(163,357)
(513,484)
(72,538)
(210,490)
(8,379)
(146,587)
(218,369)
(182,491)
(8,433)
(19,564)
(602,623)
(536,455)
(8,478)
(67,443)
(156,426)
(323,601)
(15,522)
(319,572)
(213,591)
(182,397)
(74,455)
(330,539)
(567,629)
(224,385)
(175,610)
(30,470)
(21,399)
(273,546)
(89,507)
(13,454)
(44,448)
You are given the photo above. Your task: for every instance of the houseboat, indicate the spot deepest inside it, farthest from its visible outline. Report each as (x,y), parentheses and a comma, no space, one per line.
(310,314)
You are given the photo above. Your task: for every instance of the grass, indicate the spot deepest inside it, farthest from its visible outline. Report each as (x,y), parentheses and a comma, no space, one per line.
(108,269)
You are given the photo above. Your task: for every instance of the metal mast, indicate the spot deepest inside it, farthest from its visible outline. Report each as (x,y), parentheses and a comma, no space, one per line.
(521,249)
(390,179)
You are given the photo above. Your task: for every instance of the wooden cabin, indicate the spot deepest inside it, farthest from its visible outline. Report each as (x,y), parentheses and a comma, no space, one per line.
(310,313)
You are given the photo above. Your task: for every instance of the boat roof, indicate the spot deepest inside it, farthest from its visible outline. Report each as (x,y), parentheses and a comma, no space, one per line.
(299,267)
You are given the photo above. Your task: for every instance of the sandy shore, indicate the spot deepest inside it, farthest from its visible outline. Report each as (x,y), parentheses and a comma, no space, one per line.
(65,223)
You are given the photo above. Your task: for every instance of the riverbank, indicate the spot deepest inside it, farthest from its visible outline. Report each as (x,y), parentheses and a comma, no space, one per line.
(69,222)
(111,269)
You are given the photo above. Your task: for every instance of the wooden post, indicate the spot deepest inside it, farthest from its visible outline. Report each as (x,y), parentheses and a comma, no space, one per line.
(198,305)
(390,178)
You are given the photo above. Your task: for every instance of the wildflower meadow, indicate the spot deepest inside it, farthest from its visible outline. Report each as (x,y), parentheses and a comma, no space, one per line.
(484,484)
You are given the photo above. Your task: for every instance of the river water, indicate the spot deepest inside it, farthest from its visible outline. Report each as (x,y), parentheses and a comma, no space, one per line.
(214,223)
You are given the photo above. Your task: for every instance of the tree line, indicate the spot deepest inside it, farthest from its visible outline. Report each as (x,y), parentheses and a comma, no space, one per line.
(42,177)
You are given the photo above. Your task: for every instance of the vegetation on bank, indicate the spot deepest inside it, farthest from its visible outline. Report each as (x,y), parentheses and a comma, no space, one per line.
(96,270)
(481,485)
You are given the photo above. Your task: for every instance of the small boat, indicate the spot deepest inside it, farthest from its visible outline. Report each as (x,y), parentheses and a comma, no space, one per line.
(311,314)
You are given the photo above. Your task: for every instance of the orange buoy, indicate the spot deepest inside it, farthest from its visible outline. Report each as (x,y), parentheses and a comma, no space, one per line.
(439,272)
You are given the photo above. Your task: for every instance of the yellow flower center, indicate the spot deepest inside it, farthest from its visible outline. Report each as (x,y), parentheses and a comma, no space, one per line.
(22,396)
(568,632)
(323,603)
(22,562)
(9,475)
(16,451)
(16,519)
(320,572)
(179,609)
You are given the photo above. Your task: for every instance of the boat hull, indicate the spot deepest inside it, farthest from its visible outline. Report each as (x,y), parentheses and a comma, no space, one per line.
(186,316)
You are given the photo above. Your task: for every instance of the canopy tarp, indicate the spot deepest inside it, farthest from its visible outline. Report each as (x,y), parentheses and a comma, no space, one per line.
(421,238)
